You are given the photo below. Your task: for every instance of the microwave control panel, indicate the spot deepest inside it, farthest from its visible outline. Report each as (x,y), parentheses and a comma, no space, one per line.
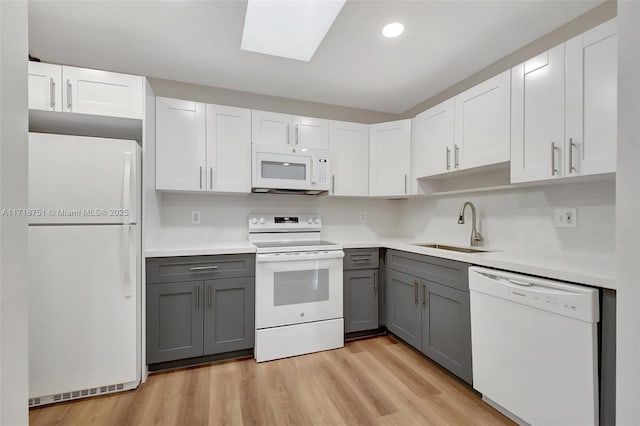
(321,170)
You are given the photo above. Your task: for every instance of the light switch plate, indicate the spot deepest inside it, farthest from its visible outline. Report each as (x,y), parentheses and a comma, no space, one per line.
(195,217)
(565,218)
(363,217)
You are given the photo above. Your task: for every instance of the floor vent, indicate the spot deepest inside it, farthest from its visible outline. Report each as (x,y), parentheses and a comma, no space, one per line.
(43,400)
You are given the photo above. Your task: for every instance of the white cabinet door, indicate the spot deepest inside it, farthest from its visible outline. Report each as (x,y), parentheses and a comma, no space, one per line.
(270,128)
(228,149)
(537,117)
(101,92)
(433,141)
(45,86)
(591,136)
(482,129)
(349,146)
(180,145)
(389,158)
(311,132)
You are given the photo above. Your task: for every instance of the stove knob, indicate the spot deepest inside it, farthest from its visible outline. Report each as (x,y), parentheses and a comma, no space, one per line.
(309,220)
(262,221)
(254,220)
(316,220)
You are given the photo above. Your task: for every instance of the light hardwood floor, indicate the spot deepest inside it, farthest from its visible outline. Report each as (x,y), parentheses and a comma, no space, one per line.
(377,381)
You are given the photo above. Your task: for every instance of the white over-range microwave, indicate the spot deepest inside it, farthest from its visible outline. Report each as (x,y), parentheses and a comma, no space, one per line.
(288,170)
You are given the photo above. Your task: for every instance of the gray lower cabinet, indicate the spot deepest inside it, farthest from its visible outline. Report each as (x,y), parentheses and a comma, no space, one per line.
(428,307)
(198,306)
(174,321)
(229,315)
(403,310)
(360,300)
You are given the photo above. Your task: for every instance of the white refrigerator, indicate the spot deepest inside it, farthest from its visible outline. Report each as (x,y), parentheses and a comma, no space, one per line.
(84,264)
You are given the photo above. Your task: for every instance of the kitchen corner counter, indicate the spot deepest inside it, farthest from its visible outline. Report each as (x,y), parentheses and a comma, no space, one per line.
(594,269)
(213,248)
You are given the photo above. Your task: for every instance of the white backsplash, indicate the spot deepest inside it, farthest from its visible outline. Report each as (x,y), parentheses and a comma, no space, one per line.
(519,218)
(224,217)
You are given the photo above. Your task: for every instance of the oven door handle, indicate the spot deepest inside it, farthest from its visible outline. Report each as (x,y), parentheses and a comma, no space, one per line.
(284,257)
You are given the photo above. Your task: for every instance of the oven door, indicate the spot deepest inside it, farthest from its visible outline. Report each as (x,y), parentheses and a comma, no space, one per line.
(298,287)
(281,171)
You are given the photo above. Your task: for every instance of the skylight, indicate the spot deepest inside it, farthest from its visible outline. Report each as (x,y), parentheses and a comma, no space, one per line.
(288,28)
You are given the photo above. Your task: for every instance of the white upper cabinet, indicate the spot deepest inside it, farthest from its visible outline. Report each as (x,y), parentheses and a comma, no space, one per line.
(389,158)
(180,145)
(433,141)
(228,149)
(101,92)
(202,147)
(349,146)
(591,122)
(45,83)
(537,117)
(272,128)
(85,91)
(482,123)
(311,132)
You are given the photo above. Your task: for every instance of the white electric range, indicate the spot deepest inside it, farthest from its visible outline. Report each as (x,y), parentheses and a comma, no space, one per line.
(298,287)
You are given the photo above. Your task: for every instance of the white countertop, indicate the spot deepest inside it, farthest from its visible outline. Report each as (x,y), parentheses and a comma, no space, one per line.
(578,267)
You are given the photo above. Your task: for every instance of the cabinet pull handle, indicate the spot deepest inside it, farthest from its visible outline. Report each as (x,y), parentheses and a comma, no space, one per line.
(448,159)
(554,170)
(69,102)
(200,177)
(375,283)
(288,134)
(415,292)
(456,156)
(297,135)
(52,93)
(198,296)
(424,295)
(203,268)
(333,184)
(405,184)
(211,178)
(210,296)
(361,260)
(572,145)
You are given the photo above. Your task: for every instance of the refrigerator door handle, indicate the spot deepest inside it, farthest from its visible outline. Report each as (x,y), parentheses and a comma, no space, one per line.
(130,262)
(126,188)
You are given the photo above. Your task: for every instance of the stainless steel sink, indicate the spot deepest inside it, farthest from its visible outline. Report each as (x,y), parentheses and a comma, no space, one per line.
(451,248)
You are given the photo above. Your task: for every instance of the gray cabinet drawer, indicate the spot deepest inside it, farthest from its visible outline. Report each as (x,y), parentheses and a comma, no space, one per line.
(365,258)
(443,271)
(189,268)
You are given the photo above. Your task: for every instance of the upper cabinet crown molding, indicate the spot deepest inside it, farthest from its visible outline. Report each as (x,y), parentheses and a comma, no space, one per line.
(273,128)
(86,91)
(564,109)
(390,158)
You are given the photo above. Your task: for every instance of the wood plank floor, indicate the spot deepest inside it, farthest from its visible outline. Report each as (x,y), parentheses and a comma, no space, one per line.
(377,381)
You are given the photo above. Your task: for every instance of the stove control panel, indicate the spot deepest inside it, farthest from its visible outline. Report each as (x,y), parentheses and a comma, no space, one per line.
(265,222)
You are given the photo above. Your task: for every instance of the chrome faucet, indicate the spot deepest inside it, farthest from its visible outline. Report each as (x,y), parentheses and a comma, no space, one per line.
(475,235)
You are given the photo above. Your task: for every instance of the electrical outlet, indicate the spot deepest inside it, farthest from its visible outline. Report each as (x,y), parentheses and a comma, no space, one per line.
(363,217)
(195,217)
(566,218)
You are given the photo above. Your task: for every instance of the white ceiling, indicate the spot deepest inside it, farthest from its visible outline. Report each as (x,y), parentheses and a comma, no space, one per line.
(199,42)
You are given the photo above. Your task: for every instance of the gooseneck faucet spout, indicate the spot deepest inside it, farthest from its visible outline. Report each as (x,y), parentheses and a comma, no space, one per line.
(475,235)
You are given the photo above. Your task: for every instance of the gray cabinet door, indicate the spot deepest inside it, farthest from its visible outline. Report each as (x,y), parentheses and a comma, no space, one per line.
(229,316)
(403,308)
(360,300)
(446,328)
(174,321)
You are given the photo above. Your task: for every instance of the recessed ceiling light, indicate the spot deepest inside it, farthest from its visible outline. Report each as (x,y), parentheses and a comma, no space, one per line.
(393,29)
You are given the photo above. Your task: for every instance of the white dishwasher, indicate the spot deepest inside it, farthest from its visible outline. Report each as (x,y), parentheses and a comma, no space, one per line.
(534,347)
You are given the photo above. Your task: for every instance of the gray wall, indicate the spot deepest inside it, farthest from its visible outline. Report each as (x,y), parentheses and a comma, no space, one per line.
(216,95)
(595,16)
(13,230)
